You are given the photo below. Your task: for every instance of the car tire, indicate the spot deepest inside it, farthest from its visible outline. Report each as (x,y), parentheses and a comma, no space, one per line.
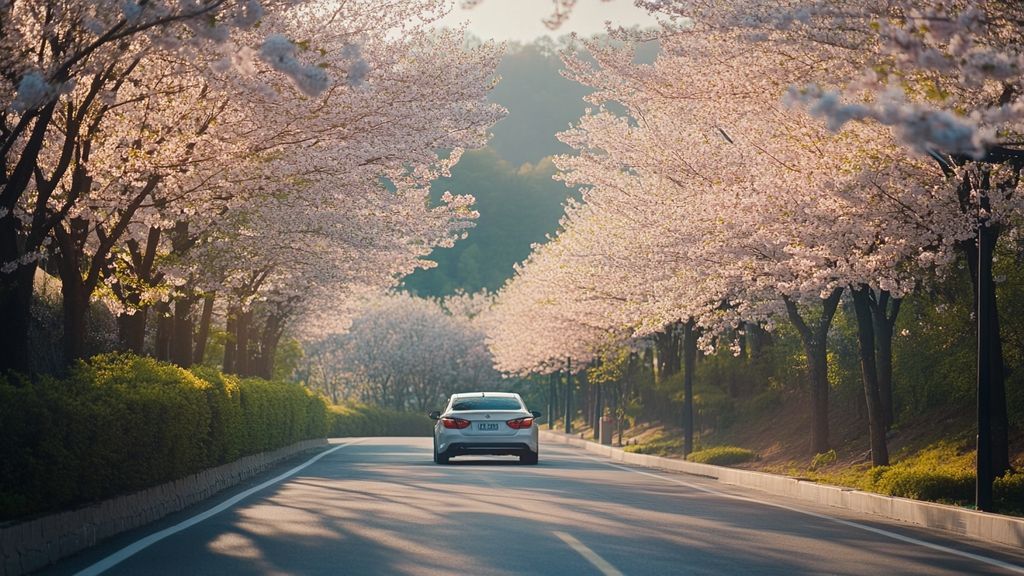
(528,458)
(439,458)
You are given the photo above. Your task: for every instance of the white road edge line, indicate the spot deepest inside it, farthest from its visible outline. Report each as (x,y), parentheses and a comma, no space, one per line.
(984,559)
(139,545)
(591,556)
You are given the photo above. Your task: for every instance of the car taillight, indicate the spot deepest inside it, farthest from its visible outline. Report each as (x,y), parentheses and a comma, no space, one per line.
(520,423)
(457,423)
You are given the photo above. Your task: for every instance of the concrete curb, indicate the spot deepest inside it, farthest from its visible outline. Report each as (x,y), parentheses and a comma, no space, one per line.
(37,543)
(984,526)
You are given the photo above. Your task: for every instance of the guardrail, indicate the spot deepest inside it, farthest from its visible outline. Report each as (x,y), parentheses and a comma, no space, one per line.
(34,544)
(960,521)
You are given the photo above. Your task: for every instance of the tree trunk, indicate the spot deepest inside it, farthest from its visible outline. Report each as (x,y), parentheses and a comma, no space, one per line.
(164,332)
(16,286)
(74,291)
(598,411)
(132,326)
(131,330)
(243,358)
(884,312)
(182,333)
(203,335)
(557,401)
(231,343)
(869,374)
(817,368)
(15,301)
(616,396)
(184,300)
(667,344)
(815,343)
(568,398)
(76,310)
(689,367)
(552,406)
(269,340)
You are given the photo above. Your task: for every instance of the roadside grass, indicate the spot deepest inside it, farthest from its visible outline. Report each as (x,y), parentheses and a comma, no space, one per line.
(670,445)
(723,455)
(941,471)
(658,444)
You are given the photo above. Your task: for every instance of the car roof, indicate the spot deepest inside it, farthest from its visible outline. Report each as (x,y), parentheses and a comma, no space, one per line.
(483,394)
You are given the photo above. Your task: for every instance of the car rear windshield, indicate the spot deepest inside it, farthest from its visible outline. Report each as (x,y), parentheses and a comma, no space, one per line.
(485,403)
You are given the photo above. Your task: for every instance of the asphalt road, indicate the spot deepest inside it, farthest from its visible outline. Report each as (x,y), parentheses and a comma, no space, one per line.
(380,506)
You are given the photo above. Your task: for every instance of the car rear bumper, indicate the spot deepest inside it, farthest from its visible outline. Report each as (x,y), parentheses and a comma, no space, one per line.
(489,448)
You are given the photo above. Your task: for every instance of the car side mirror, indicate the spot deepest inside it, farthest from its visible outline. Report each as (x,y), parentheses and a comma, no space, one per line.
(435,414)
(536,413)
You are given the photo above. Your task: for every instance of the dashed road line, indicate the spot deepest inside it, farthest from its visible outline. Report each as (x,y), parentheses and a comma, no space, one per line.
(591,556)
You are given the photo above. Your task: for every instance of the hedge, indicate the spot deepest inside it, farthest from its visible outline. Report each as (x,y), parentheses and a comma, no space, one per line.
(120,423)
(364,420)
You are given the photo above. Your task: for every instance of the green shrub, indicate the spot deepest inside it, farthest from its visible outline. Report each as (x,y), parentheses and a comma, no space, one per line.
(924,484)
(939,473)
(120,423)
(275,414)
(824,459)
(148,422)
(1008,493)
(224,396)
(722,455)
(363,420)
(35,460)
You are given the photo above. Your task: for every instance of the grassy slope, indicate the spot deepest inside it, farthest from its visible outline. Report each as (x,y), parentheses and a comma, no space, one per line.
(932,457)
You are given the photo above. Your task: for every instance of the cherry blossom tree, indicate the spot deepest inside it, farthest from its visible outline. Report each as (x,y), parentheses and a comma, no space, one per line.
(221,150)
(408,353)
(709,204)
(946,78)
(356,195)
(61,59)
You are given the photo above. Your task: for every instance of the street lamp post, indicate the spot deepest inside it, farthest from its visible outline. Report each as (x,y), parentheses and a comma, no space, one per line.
(984,475)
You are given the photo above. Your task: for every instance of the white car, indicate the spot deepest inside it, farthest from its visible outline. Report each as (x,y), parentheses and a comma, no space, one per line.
(485,423)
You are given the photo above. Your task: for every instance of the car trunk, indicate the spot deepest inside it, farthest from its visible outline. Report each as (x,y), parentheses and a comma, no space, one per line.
(489,423)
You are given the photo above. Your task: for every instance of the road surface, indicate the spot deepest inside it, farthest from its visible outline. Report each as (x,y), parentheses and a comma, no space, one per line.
(380,506)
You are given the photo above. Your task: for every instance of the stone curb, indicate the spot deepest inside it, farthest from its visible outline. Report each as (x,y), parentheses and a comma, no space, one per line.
(37,543)
(984,526)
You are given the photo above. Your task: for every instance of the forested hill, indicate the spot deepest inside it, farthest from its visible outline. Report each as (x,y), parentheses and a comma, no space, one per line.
(540,103)
(518,201)
(518,206)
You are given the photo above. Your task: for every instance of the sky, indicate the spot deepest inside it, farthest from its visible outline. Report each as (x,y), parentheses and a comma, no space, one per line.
(521,20)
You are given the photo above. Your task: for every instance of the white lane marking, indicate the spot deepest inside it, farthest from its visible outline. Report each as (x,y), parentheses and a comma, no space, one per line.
(139,545)
(984,559)
(591,556)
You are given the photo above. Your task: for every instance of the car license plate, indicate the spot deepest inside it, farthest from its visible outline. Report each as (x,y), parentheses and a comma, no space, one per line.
(487,426)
